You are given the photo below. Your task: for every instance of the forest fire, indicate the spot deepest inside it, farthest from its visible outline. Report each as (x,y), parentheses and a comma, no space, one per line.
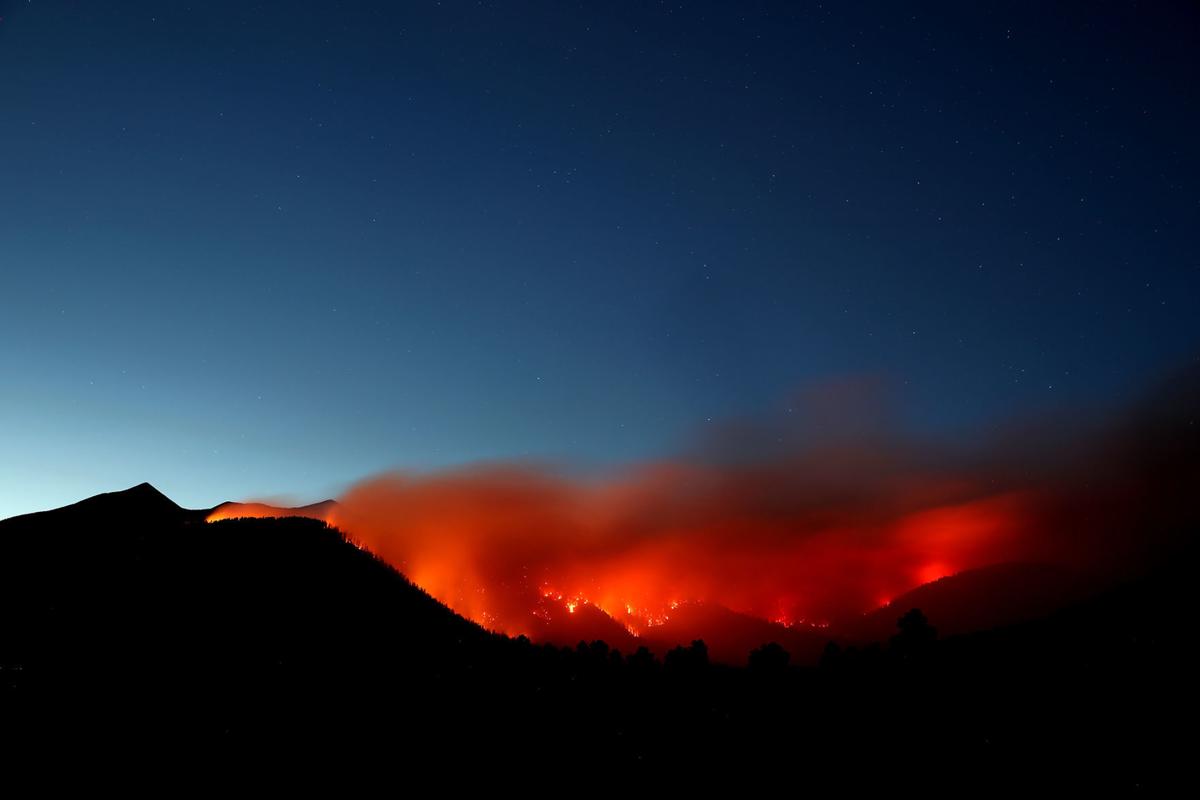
(796,541)
(507,545)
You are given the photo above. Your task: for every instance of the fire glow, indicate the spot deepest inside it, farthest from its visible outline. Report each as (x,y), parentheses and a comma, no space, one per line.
(500,545)
(800,538)
(326,512)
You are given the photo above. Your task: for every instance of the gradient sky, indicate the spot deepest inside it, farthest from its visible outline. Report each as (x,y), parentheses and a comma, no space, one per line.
(263,249)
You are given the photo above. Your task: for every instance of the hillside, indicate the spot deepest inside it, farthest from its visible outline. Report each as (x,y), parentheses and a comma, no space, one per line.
(979,599)
(127,622)
(127,595)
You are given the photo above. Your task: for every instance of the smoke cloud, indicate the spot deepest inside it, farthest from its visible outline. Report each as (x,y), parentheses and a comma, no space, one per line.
(795,522)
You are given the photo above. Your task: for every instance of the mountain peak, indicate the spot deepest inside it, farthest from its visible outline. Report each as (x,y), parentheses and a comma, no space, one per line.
(143,491)
(143,488)
(142,499)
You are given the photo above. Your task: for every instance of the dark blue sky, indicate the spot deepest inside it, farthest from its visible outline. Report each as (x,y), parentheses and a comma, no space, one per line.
(251,249)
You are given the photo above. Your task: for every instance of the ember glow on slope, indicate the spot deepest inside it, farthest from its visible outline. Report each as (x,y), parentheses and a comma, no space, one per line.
(250,510)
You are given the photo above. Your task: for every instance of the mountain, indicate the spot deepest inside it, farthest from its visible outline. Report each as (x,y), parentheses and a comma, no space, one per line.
(138,502)
(132,631)
(127,609)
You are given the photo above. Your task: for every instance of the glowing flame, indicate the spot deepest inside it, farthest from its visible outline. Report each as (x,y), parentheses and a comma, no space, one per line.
(933,571)
(497,545)
(322,511)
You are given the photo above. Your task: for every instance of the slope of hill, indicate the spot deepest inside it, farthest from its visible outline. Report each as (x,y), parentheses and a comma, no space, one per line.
(127,595)
(979,599)
(139,503)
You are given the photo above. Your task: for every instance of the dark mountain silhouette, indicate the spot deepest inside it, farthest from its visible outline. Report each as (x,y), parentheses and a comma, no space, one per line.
(131,630)
(979,599)
(126,595)
(141,502)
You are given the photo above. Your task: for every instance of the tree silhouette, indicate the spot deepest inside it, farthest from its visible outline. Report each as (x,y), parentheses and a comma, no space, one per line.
(915,636)
(687,659)
(642,661)
(771,658)
(831,656)
(599,651)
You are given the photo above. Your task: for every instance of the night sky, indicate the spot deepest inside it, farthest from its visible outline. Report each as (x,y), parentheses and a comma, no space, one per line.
(264,249)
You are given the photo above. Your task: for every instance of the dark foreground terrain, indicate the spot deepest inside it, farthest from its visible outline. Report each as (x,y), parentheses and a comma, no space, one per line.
(129,628)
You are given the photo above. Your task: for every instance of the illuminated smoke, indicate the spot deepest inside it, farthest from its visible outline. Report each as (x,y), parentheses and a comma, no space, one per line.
(494,543)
